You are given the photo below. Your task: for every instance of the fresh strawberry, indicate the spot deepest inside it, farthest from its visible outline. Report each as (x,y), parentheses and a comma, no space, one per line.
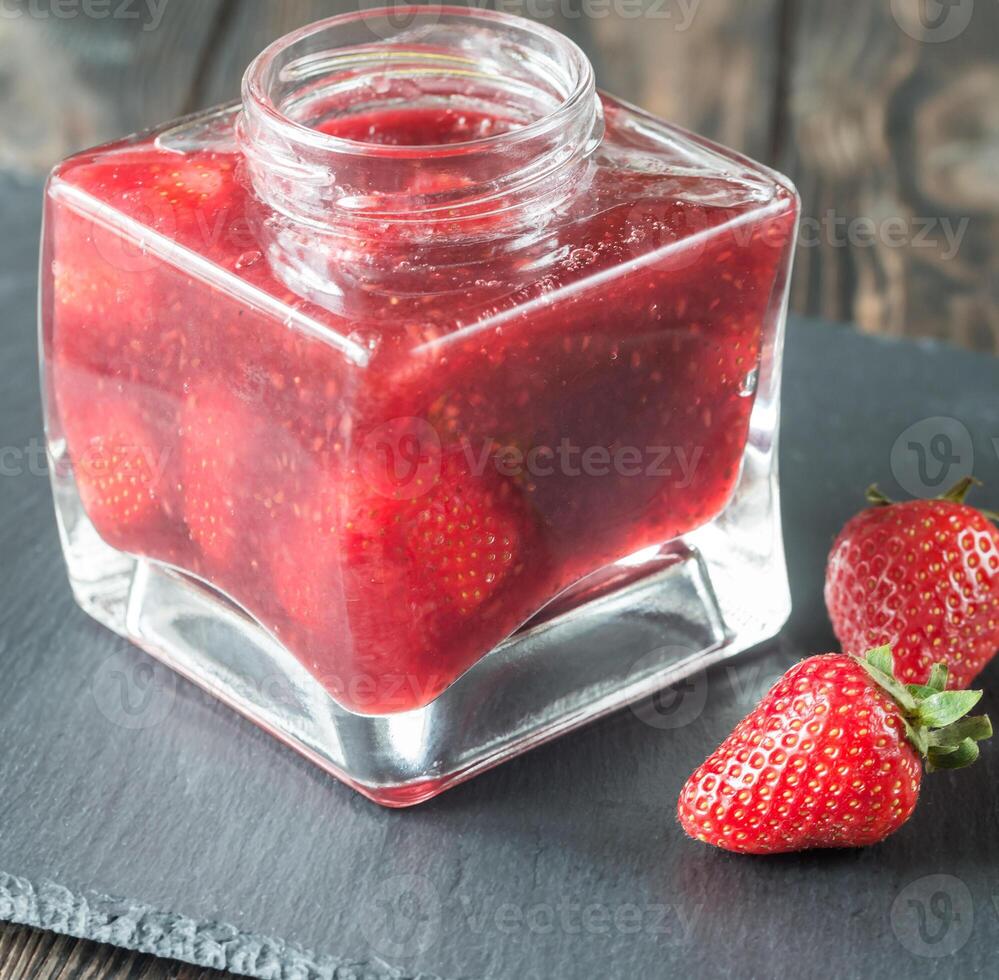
(922,576)
(830,757)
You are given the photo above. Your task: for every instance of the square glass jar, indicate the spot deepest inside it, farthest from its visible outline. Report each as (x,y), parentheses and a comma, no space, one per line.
(423,405)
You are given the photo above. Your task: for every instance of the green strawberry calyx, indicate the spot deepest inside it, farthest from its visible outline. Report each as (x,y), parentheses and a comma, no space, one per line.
(957,494)
(936,720)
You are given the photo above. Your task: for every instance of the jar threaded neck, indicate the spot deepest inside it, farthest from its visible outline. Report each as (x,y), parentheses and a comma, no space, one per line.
(535,81)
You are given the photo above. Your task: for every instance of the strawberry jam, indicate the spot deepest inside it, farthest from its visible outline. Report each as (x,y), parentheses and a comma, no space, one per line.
(392,376)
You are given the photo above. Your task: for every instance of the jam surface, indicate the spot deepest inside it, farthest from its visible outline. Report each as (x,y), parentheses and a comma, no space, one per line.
(394,486)
(439,126)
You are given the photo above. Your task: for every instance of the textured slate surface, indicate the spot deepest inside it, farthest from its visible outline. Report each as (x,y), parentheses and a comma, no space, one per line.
(565,863)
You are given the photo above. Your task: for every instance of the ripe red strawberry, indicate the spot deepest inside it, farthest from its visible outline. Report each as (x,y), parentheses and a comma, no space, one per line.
(830,758)
(922,576)
(453,546)
(116,459)
(466,534)
(389,599)
(156,186)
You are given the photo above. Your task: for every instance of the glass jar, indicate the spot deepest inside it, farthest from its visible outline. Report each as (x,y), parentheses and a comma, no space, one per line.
(423,406)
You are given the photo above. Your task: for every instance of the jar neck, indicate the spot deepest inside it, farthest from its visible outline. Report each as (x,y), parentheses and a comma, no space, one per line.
(470,115)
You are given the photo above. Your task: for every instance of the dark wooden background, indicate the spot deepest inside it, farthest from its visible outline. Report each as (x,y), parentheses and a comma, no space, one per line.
(878,109)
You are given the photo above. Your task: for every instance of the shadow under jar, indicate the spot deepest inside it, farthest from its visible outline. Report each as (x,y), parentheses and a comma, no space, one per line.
(422,406)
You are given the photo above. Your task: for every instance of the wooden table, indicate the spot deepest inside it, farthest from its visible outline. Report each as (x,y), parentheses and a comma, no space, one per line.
(31,953)
(882,116)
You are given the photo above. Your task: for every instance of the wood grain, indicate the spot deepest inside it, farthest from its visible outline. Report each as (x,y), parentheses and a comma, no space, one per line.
(71,82)
(31,954)
(888,124)
(711,66)
(891,127)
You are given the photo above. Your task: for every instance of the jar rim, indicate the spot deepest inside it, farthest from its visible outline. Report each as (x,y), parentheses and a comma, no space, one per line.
(254,88)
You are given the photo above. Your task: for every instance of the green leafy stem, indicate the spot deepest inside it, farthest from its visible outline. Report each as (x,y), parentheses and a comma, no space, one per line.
(936,720)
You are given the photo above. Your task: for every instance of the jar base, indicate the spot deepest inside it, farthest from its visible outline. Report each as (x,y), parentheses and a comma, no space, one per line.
(683,606)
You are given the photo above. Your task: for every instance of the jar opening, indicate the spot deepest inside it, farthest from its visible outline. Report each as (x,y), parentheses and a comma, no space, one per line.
(396,111)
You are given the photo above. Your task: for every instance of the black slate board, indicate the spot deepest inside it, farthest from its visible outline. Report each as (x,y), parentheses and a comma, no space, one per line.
(564,863)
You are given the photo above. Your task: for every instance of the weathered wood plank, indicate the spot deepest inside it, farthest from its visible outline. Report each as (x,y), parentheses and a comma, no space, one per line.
(709,65)
(72,80)
(893,139)
(888,122)
(30,954)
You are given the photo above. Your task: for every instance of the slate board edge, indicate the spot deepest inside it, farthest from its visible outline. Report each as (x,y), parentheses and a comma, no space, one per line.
(143,929)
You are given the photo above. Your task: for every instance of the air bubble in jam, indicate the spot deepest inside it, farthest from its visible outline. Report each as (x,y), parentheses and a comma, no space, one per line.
(248,258)
(750,383)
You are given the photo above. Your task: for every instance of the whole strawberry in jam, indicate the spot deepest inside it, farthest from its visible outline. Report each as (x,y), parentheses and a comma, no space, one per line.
(399,579)
(120,457)
(922,576)
(831,757)
(116,464)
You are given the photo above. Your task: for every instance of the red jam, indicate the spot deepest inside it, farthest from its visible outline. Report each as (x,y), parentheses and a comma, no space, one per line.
(394,488)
